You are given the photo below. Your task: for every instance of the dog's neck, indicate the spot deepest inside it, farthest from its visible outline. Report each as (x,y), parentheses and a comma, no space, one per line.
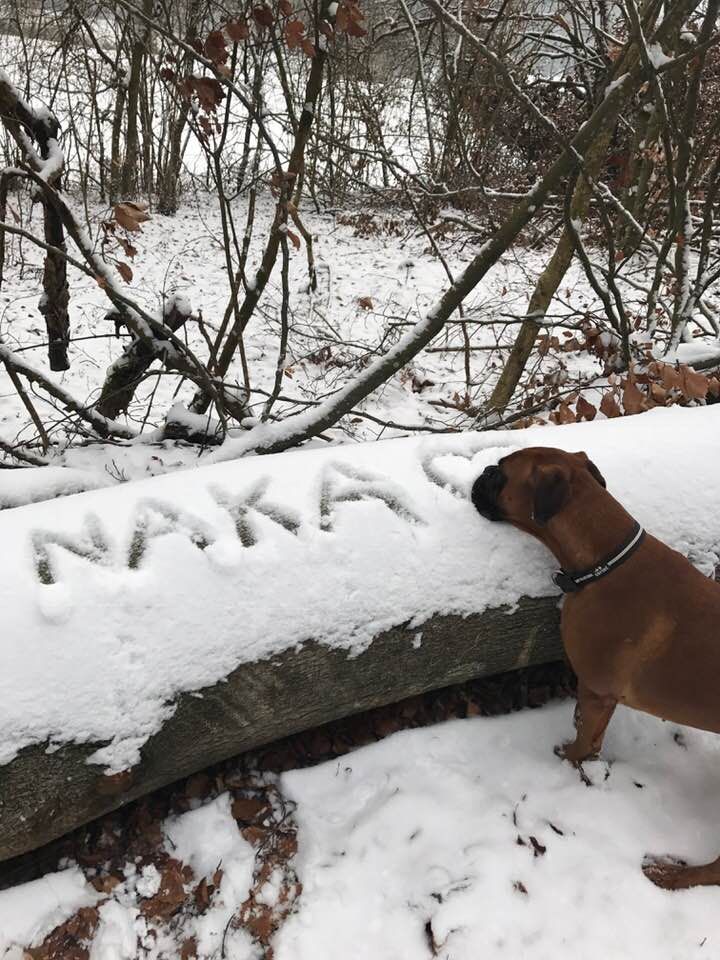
(588,530)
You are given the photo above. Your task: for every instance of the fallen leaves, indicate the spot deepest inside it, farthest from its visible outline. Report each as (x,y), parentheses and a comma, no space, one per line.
(171,894)
(69,940)
(656,384)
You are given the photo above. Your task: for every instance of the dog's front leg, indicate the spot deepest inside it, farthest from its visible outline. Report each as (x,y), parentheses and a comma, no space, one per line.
(592,715)
(678,876)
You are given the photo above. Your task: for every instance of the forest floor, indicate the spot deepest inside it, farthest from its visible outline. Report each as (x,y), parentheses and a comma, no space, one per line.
(443,826)
(376,275)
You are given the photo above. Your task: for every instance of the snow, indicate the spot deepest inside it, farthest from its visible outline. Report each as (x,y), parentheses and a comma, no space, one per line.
(235,562)
(20,487)
(205,839)
(613,85)
(117,934)
(149,881)
(471,834)
(419,829)
(30,911)
(208,838)
(657,56)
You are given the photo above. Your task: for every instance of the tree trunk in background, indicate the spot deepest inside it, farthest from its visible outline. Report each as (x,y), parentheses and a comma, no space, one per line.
(116,163)
(56,292)
(170,154)
(23,122)
(552,276)
(130,178)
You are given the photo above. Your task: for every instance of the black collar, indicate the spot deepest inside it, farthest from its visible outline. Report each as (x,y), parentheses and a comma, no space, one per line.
(572,582)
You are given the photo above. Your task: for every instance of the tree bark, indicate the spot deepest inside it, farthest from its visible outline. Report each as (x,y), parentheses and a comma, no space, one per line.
(130,178)
(20,119)
(125,374)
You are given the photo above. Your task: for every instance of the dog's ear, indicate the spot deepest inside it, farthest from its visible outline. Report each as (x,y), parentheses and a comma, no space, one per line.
(593,469)
(596,473)
(551,491)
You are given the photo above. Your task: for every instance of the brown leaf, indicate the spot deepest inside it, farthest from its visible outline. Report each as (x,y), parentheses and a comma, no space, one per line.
(139,209)
(366,303)
(263,15)
(633,400)
(294,33)
(68,940)
(609,406)
(237,30)
(348,19)
(308,47)
(355,30)
(520,887)
(105,884)
(247,808)
(188,951)
(130,250)
(198,786)
(563,414)
(209,92)
(286,8)
(202,896)
(694,385)
(295,239)
(214,47)
(585,410)
(714,387)
(671,378)
(342,18)
(124,270)
(254,835)
(130,216)
(658,393)
(171,894)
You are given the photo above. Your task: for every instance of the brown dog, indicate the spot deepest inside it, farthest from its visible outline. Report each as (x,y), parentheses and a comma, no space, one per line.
(640,625)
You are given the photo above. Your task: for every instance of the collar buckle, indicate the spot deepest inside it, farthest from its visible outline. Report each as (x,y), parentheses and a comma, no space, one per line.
(565,582)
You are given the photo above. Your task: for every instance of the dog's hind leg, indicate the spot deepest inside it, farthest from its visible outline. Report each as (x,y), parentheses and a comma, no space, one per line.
(678,876)
(592,715)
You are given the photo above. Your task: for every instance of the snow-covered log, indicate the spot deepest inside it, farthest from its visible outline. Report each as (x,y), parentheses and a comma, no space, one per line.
(153,628)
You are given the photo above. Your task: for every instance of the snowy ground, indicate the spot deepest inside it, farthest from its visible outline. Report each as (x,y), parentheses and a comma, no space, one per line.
(370,288)
(464,840)
(392,268)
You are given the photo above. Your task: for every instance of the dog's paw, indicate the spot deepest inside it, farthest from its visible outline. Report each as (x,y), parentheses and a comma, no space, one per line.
(570,752)
(668,873)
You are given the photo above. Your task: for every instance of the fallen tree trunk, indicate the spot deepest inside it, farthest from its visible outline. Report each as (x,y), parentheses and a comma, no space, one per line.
(43,796)
(158,627)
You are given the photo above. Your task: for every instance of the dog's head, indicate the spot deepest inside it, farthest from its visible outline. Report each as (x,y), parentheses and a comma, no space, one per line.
(529,487)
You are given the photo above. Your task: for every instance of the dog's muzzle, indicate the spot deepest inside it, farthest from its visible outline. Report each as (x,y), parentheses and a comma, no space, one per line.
(485,492)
